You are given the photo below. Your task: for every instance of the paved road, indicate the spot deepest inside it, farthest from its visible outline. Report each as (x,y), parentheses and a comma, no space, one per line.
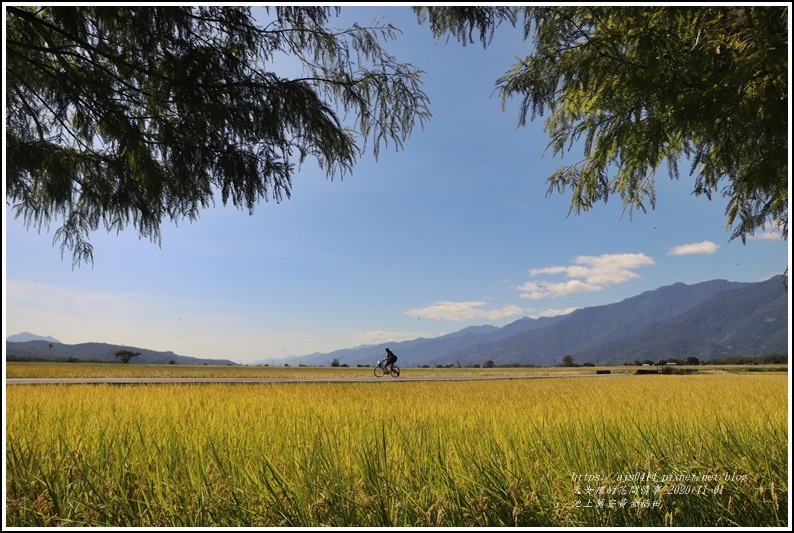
(122,381)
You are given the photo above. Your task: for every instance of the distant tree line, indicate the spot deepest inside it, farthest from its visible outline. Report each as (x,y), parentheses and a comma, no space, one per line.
(692,361)
(769,359)
(568,361)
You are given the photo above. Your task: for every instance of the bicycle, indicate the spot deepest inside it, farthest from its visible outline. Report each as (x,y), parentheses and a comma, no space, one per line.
(380,370)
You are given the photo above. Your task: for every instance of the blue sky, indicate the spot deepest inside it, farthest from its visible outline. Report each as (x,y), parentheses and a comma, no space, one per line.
(454,230)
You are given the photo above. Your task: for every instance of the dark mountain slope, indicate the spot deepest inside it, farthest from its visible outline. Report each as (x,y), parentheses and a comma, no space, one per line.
(94,351)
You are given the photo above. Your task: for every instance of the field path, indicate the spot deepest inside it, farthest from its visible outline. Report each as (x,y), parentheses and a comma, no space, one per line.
(126,381)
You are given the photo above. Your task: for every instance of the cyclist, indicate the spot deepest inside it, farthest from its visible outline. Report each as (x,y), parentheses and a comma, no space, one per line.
(388,364)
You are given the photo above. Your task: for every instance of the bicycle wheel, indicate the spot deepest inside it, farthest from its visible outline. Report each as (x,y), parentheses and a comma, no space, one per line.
(395,372)
(378,371)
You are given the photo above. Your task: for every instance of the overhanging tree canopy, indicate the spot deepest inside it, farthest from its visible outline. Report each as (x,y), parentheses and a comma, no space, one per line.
(642,87)
(121,116)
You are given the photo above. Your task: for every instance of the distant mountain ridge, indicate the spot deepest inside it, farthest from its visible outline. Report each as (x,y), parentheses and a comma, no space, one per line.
(95,351)
(707,320)
(25,337)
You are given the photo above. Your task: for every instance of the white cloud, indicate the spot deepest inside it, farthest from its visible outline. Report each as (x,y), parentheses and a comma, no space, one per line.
(553,312)
(379,337)
(588,273)
(705,247)
(462,311)
(768,235)
(536,291)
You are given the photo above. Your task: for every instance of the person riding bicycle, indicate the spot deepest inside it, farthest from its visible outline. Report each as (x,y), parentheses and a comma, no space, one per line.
(388,363)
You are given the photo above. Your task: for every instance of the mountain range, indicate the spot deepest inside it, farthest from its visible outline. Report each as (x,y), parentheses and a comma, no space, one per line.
(95,351)
(708,320)
(25,337)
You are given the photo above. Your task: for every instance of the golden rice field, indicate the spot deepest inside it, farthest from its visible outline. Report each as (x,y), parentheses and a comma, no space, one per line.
(624,450)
